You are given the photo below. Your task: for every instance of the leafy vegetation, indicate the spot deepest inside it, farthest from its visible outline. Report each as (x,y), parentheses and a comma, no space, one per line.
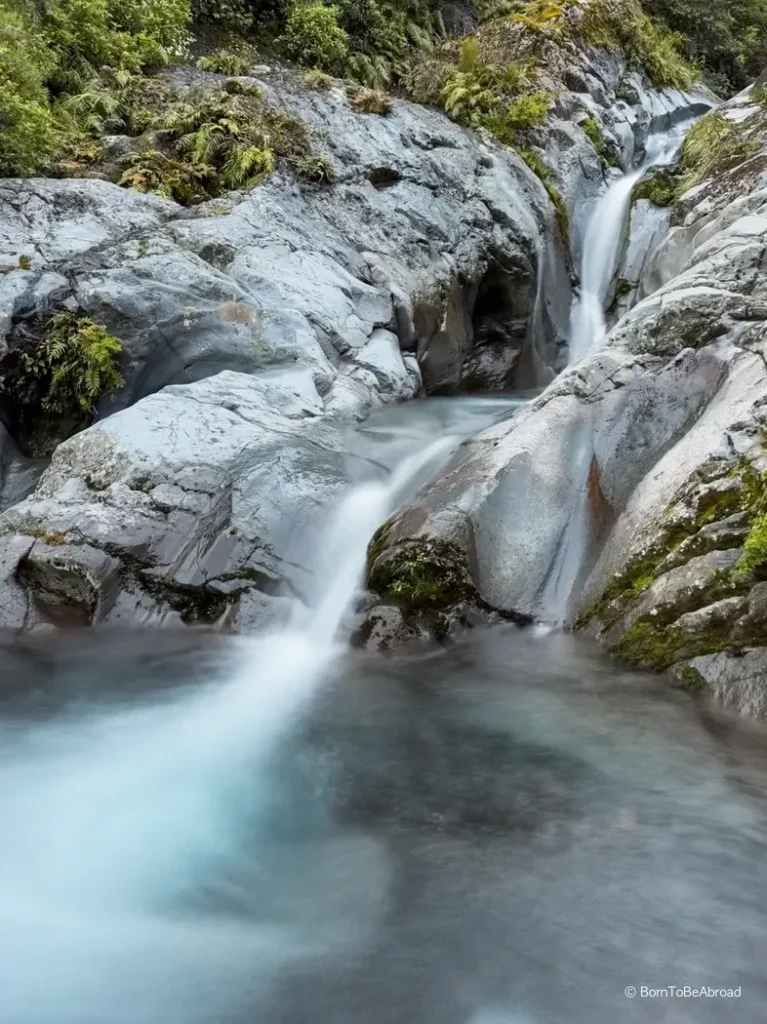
(28,138)
(372,101)
(313,36)
(713,145)
(728,38)
(318,81)
(216,141)
(74,365)
(647,44)
(226,62)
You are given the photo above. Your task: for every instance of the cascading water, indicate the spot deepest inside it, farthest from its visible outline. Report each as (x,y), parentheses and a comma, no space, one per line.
(588,327)
(114,822)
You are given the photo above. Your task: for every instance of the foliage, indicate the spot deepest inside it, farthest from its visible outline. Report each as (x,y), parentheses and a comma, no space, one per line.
(318,81)
(85,35)
(317,169)
(73,366)
(727,37)
(759,95)
(542,16)
(179,180)
(217,140)
(648,45)
(528,111)
(313,36)
(27,127)
(226,62)
(424,80)
(537,166)
(372,101)
(230,14)
(713,145)
(499,98)
(660,188)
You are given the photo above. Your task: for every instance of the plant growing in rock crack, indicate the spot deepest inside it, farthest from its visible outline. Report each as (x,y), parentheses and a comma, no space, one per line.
(215,141)
(317,169)
(226,62)
(372,101)
(73,366)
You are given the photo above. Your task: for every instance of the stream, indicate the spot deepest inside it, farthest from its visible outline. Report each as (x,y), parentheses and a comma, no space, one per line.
(510,829)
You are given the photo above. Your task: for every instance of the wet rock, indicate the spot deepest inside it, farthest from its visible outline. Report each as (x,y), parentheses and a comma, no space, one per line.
(736,679)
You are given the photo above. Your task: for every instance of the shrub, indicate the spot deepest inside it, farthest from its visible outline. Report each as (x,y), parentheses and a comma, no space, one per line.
(713,145)
(727,37)
(26,126)
(372,101)
(528,111)
(230,14)
(86,35)
(226,62)
(317,169)
(313,36)
(318,81)
(73,366)
(648,45)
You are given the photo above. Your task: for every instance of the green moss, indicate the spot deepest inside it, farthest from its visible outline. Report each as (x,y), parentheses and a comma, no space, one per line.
(676,544)
(692,679)
(538,168)
(754,557)
(421,575)
(25,262)
(623,287)
(648,644)
(660,187)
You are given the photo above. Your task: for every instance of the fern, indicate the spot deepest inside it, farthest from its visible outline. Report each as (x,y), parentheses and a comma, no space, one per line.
(247,165)
(73,366)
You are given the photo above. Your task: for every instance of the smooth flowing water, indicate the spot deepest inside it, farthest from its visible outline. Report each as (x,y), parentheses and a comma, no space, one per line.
(605,234)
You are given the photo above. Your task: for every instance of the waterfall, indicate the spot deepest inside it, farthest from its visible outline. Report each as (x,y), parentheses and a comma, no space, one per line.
(601,246)
(113,821)
(588,327)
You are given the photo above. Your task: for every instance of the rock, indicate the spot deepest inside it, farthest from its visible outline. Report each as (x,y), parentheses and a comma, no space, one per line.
(200,495)
(384,627)
(736,679)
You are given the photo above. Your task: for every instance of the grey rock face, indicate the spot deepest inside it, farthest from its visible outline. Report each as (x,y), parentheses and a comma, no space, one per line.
(625,493)
(254,325)
(188,502)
